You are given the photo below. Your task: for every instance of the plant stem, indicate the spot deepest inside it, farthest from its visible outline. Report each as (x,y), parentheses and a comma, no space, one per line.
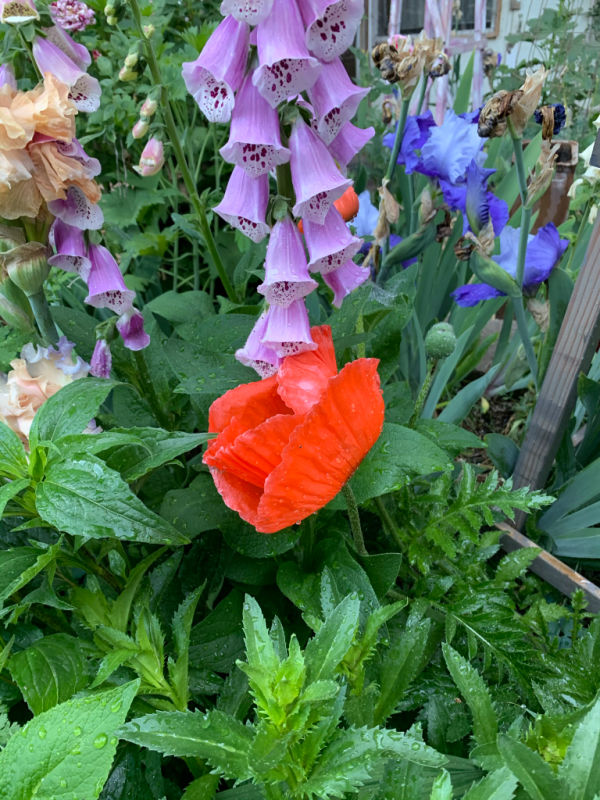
(400,125)
(524,333)
(423,392)
(41,312)
(388,522)
(424,83)
(175,140)
(353,516)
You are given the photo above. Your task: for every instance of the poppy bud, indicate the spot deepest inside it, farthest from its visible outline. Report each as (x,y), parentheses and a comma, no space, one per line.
(27,266)
(440,341)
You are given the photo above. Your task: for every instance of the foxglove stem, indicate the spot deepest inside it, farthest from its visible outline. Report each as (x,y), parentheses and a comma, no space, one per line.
(398,139)
(353,516)
(41,312)
(285,187)
(175,140)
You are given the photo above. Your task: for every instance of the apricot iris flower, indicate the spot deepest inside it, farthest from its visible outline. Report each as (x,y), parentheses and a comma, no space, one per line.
(287,444)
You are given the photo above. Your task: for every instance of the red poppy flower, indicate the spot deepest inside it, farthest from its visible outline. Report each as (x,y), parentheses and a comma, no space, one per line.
(347,205)
(287,444)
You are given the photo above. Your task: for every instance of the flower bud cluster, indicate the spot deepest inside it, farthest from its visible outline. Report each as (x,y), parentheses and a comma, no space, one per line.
(289,111)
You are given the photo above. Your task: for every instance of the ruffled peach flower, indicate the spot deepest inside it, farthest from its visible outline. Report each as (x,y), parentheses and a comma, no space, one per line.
(36,376)
(55,172)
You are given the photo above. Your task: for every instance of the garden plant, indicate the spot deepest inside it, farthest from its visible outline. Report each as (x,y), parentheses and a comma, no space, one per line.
(276,312)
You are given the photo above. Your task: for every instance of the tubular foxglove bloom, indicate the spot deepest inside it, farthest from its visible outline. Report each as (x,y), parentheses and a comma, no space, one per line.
(217,73)
(287,331)
(152,158)
(71,250)
(250,11)
(77,210)
(131,327)
(254,140)
(78,53)
(84,90)
(544,250)
(257,355)
(106,287)
(101,362)
(317,181)
(329,245)
(73,149)
(334,99)
(286,270)
(7,76)
(345,279)
(17,12)
(349,141)
(285,67)
(245,203)
(450,148)
(330,26)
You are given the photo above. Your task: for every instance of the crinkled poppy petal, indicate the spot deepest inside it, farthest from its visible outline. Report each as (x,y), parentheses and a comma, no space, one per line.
(255,454)
(302,379)
(326,449)
(238,495)
(259,397)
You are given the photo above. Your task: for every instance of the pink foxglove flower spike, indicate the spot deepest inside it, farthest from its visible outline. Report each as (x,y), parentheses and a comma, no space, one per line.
(349,141)
(288,330)
(285,67)
(345,279)
(84,89)
(329,245)
(106,287)
(335,99)
(245,204)
(254,140)
(71,250)
(317,181)
(257,355)
(77,210)
(217,73)
(286,270)
(250,11)
(131,327)
(330,26)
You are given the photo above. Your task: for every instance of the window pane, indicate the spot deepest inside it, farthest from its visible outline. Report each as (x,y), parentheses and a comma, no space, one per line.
(413,15)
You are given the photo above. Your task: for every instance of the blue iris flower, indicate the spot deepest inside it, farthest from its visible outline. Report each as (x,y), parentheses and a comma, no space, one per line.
(450,148)
(416,133)
(478,205)
(544,250)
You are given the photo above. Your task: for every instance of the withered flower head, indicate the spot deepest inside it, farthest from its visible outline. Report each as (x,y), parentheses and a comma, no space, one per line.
(544,170)
(492,118)
(529,97)
(517,106)
(399,62)
(440,66)
(491,59)
(552,119)
(463,249)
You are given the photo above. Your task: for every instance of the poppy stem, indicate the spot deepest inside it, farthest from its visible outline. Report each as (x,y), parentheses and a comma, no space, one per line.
(353,516)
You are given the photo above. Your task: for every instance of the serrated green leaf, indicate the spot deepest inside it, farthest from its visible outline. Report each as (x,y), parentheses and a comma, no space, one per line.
(329,646)
(203,788)
(220,739)
(69,410)
(442,787)
(498,785)
(19,565)
(260,651)
(514,564)
(534,774)
(49,672)
(84,497)
(48,755)
(580,768)
(472,687)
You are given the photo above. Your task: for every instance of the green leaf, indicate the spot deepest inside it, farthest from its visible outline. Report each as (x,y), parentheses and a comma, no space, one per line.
(68,748)
(580,768)
(10,490)
(442,787)
(19,565)
(84,497)
(220,739)
(329,646)
(472,687)
(197,508)
(182,626)
(179,307)
(13,461)
(260,651)
(463,93)
(462,402)
(69,410)
(514,564)
(153,447)
(217,641)
(49,672)
(498,785)
(203,788)
(534,774)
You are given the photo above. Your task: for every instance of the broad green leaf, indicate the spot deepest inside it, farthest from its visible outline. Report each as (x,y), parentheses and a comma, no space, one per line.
(472,687)
(442,787)
(580,768)
(85,497)
(216,737)
(329,646)
(13,461)
(498,785)
(153,447)
(69,410)
(68,749)
(462,402)
(10,490)
(535,774)
(217,641)
(197,508)
(49,672)
(179,307)
(19,565)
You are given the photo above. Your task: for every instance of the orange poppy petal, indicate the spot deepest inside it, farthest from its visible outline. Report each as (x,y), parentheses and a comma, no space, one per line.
(326,449)
(303,378)
(260,397)
(237,494)
(256,453)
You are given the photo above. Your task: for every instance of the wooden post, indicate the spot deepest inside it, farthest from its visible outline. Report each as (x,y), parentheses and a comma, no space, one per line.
(575,346)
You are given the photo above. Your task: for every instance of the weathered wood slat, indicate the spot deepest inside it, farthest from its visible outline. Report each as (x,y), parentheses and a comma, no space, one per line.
(575,346)
(551,569)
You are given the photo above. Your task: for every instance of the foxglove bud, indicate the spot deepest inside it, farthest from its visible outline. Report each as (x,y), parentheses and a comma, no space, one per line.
(152,158)
(27,266)
(127,74)
(101,363)
(140,129)
(148,108)
(148,31)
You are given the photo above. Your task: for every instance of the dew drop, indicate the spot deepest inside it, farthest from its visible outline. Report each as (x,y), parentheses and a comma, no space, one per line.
(100,741)
(42,733)
(77,731)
